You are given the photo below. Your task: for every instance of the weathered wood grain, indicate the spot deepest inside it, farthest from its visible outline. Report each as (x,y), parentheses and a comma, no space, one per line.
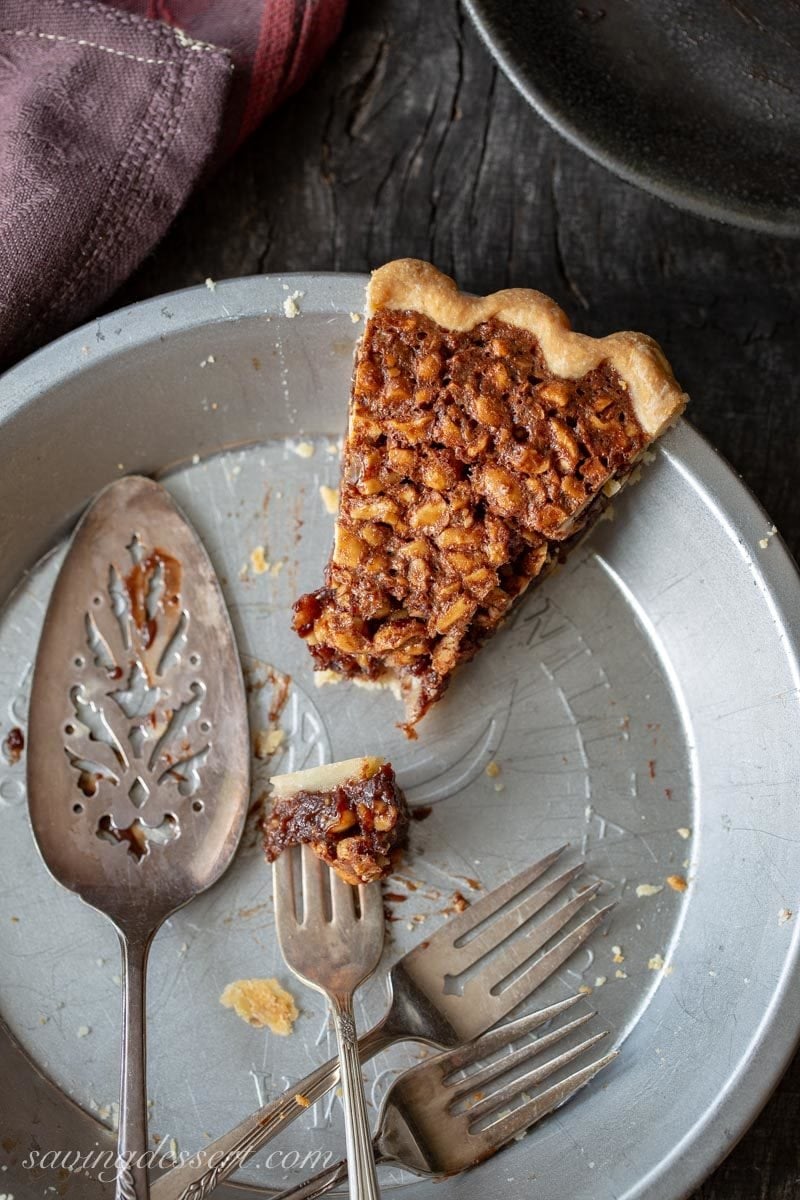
(409,141)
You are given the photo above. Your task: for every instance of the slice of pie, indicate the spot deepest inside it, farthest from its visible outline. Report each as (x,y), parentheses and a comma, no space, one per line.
(484,435)
(352,814)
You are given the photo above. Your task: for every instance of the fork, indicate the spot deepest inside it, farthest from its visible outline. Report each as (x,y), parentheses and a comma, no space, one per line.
(432,1123)
(420,1007)
(333,947)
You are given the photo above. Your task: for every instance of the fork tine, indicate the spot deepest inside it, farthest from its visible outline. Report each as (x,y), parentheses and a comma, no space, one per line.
(314,886)
(504,1035)
(342,899)
(533,1049)
(371,903)
(543,967)
(522,1118)
(458,925)
(517,951)
(531,1079)
(283,888)
(535,937)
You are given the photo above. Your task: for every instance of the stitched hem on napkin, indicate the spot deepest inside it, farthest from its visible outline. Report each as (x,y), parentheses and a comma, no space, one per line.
(79,210)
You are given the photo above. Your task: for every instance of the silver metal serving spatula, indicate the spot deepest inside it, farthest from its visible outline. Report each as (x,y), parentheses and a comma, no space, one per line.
(138,764)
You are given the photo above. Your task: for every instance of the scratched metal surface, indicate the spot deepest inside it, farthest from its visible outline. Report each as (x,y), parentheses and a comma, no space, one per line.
(613,704)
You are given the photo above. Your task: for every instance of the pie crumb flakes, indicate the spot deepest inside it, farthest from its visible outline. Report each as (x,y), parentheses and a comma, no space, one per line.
(677,883)
(258,560)
(493,769)
(303,449)
(585,990)
(290,306)
(330,499)
(302,1100)
(785,915)
(649,889)
(262,1003)
(684,832)
(267,741)
(656,962)
(764,542)
(323,677)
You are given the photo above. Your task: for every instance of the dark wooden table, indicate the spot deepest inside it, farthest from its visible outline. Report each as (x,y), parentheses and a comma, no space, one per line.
(411,142)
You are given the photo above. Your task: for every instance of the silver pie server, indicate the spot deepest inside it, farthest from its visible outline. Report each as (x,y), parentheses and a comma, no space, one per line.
(139,759)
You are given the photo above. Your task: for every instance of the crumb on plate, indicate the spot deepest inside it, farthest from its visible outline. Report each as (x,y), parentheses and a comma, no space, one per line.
(262,1003)
(649,889)
(677,883)
(267,741)
(290,306)
(330,499)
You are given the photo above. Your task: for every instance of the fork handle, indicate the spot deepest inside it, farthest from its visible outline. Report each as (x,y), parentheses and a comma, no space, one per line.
(196,1178)
(317,1185)
(360,1156)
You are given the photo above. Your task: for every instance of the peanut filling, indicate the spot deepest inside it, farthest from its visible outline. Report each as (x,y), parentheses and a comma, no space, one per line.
(467,466)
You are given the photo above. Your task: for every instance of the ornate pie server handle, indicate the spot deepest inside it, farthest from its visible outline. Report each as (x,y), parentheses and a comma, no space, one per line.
(131,1181)
(197,1178)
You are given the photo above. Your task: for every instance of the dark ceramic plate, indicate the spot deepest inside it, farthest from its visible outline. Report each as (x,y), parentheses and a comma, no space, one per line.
(697,101)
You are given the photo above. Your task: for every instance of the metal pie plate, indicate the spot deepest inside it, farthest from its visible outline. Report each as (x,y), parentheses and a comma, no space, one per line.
(649,687)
